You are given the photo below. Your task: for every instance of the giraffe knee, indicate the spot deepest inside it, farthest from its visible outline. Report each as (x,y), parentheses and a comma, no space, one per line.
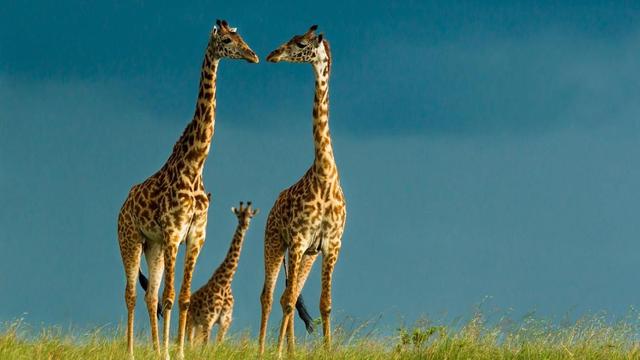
(130,300)
(325,308)
(151,299)
(184,302)
(167,304)
(287,307)
(130,296)
(265,299)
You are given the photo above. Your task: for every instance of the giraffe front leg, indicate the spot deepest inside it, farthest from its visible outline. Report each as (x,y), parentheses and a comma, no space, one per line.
(195,240)
(288,299)
(328,264)
(190,329)
(225,322)
(155,265)
(130,249)
(170,252)
(205,334)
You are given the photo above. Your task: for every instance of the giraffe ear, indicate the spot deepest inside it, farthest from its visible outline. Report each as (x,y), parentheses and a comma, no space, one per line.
(214,30)
(320,37)
(233,210)
(255,212)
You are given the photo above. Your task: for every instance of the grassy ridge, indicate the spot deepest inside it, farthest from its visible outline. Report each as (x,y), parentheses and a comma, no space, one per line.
(588,338)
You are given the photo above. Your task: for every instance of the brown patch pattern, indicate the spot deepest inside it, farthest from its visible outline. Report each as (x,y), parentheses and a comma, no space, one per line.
(213,302)
(170,207)
(309,217)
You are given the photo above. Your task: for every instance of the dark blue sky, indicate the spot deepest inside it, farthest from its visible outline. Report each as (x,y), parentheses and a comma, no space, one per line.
(485,149)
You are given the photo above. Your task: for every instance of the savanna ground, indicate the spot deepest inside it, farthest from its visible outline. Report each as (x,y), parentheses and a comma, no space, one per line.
(592,337)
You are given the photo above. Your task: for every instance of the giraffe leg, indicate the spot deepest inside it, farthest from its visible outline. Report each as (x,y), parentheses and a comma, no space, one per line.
(131,249)
(190,328)
(225,322)
(328,263)
(197,330)
(191,256)
(155,263)
(305,268)
(287,301)
(273,255)
(168,294)
(187,330)
(205,329)
(205,334)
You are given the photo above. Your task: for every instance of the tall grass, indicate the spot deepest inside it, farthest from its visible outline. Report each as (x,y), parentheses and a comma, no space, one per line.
(591,337)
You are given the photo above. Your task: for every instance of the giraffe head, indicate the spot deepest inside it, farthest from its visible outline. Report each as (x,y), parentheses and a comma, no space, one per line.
(245,213)
(306,48)
(225,42)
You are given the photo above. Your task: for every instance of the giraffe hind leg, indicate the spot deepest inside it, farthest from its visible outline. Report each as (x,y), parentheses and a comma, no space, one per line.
(305,269)
(306,264)
(273,255)
(287,301)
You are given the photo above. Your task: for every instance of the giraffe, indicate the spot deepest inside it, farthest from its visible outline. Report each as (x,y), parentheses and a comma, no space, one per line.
(170,207)
(308,217)
(213,302)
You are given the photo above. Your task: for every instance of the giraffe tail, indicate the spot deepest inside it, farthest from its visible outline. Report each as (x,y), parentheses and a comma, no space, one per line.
(144,283)
(303,313)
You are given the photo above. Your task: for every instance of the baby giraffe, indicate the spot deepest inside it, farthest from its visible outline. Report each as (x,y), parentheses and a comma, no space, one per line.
(213,302)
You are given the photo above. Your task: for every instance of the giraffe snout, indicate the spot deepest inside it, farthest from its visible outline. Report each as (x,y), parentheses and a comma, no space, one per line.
(274,56)
(252,57)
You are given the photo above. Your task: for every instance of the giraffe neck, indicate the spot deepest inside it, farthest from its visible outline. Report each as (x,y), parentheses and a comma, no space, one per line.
(324,163)
(191,150)
(229,265)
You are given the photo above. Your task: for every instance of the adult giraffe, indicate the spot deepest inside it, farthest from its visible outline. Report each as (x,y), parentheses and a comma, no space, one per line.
(308,217)
(171,206)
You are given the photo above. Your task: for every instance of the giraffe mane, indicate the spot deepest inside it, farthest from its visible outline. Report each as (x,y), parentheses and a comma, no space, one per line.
(327,49)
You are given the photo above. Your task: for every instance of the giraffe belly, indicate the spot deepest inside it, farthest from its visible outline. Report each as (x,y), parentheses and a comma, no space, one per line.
(316,245)
(153,233)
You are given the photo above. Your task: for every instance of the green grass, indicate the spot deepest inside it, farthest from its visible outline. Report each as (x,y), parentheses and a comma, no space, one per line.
(593,337)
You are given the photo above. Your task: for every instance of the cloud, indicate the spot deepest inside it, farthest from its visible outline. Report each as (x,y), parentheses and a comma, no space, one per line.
(495,83)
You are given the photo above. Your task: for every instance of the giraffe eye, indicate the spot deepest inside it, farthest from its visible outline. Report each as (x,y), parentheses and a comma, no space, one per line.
(300,44)
(226,41)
